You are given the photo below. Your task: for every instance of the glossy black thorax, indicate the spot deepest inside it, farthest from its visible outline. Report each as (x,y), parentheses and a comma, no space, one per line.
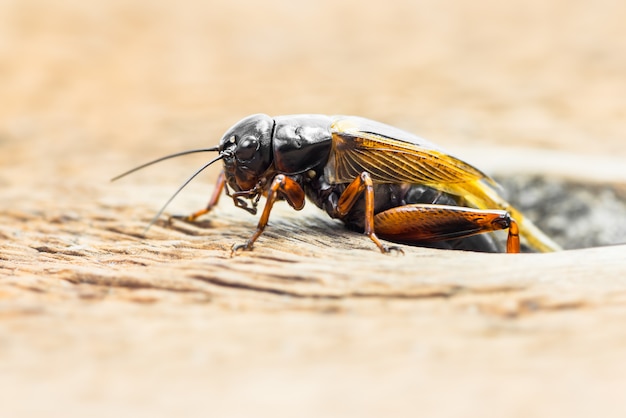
(301,143)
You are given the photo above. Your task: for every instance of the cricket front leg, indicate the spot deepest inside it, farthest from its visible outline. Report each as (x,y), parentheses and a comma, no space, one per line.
(423,223)
(282,186)
(215,197)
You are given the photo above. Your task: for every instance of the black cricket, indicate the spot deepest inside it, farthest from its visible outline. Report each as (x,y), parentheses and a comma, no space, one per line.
(375,178)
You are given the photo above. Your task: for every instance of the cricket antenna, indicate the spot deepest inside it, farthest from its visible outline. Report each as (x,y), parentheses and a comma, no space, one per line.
(167,157)
(156,217)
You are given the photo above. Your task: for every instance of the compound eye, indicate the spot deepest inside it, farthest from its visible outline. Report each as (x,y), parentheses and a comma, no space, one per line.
(247,148)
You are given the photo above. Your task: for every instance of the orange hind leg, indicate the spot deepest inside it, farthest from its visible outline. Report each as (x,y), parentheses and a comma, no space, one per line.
(432,223)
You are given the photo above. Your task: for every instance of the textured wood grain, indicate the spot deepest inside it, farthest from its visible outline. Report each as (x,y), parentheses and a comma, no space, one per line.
(314,311)
(301,255)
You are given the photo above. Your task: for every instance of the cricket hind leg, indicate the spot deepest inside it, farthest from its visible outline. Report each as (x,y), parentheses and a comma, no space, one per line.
(422,194)
(427,223)
(486,243)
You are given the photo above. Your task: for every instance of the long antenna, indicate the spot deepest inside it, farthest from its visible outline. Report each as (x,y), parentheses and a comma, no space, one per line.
(167,157)
(219,157)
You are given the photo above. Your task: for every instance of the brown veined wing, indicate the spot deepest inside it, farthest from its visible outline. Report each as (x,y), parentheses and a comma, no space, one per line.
(391,155)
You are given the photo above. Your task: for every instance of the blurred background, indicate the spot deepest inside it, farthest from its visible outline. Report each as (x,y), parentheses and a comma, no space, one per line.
(99,85)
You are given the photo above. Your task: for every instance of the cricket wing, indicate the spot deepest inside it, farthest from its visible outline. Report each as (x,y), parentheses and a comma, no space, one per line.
(391,155)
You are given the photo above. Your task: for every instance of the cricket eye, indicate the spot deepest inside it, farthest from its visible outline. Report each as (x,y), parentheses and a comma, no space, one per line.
(247,148)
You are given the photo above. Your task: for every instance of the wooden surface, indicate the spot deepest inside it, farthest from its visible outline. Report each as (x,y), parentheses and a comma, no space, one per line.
(97,319)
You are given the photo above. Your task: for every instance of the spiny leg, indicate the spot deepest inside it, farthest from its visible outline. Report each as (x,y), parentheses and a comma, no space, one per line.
(363,184)
(293,194)
(512,242)
(215,197)
(432,223)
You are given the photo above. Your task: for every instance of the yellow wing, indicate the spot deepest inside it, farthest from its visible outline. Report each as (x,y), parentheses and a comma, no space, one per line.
(391,155)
